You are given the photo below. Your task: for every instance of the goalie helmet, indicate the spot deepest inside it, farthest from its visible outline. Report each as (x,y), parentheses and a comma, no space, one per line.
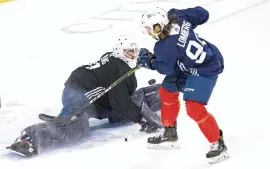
(126,49)
(153,22)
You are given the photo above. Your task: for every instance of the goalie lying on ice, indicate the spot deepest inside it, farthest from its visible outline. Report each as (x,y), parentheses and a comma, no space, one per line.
(123,102)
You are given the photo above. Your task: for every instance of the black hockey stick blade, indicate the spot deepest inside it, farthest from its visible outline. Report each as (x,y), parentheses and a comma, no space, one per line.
(74,115)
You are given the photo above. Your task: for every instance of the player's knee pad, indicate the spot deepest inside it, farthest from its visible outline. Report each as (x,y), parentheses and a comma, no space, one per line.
(170,106)
(196,111)
(168,97)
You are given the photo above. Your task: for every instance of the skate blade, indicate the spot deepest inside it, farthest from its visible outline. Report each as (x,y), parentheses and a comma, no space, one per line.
(164,146)
(221,157)
(15,152)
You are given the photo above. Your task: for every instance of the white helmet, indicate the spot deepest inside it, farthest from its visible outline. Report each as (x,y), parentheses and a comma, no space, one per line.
(126,49)
(153,18)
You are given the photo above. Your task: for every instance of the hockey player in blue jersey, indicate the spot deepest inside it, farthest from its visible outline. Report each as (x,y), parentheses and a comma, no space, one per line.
(191,65)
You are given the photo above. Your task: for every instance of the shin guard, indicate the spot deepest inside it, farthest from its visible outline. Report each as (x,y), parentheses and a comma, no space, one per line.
(205,120)
(170,106)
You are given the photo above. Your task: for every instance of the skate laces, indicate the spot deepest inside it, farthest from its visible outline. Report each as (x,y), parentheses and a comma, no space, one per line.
(214,146)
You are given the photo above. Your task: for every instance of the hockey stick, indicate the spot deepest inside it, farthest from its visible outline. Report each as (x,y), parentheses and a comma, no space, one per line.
(75,115)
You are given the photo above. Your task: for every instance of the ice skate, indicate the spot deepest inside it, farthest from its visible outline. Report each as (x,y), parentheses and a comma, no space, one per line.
(167,139)
(23,146)
(148,127)
(218,151)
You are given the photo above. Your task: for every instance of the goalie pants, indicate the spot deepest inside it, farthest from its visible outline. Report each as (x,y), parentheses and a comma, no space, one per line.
(196,91)
(48,135)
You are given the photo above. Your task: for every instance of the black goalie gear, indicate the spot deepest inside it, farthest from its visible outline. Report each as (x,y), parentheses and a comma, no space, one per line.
(23,146)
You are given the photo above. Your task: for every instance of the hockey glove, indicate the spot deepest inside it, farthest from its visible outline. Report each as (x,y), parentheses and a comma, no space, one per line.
(145,58)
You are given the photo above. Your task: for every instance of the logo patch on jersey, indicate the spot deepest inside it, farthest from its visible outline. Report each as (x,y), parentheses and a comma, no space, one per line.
(189,90)
(175,29)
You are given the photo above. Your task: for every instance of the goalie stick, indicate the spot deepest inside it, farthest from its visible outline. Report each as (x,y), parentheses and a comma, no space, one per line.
(75,114)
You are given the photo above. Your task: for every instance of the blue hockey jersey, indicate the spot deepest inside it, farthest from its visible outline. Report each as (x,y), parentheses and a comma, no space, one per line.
(184,51)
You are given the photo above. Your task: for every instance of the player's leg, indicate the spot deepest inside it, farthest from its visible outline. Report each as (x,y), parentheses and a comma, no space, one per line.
(103,112)
(41,136)
(149,94)
(152,103)
(73,99)
(197,93)
(170,107)
(152,97)
(147,100)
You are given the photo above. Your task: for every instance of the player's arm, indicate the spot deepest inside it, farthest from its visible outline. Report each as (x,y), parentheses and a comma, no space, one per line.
(162,60)
(196,16)
(163,67)
(165,59)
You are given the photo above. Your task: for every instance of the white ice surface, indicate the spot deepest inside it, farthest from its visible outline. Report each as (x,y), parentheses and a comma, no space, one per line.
(41,42)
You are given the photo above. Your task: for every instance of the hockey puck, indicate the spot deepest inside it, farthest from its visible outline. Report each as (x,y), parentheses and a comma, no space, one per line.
(151,81)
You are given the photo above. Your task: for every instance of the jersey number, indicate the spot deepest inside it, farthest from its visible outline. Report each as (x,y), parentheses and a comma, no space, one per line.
(199,56)
(104,59)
